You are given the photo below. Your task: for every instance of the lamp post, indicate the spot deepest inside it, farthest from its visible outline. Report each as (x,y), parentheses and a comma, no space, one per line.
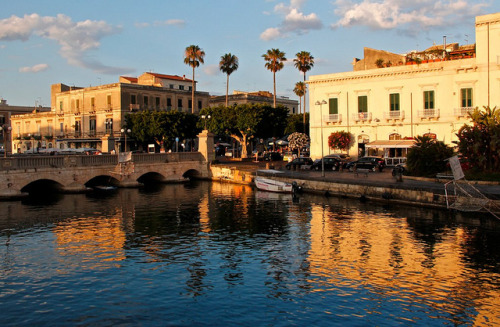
(205,118)
(125,131)
(5,129)
(320,104)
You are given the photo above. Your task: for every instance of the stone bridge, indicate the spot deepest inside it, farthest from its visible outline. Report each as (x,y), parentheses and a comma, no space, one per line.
(75,173)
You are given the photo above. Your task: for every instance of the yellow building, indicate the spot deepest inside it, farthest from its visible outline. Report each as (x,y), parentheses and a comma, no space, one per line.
(94,116)
(429,92)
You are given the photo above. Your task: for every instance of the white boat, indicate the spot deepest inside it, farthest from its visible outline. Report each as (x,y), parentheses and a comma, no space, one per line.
(271,185)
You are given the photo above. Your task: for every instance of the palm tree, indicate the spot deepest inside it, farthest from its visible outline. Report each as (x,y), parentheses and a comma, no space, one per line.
(193,56)
(300,91)
(274,62)
(304,62)
(228,64)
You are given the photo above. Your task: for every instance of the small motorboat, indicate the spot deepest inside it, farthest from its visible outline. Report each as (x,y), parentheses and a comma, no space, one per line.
(272,185)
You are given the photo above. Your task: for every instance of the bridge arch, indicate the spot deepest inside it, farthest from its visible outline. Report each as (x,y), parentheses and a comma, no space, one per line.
(102,180)
(42,186)
(192,174)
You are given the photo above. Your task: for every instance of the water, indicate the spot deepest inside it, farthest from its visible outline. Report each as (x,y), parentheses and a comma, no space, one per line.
(220,254)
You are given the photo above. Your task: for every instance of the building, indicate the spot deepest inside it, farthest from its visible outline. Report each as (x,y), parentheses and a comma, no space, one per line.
(94,116)
(6,111)
(426,93)
(265,97)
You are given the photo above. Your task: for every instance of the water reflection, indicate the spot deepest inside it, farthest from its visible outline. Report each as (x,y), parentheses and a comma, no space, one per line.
(217,248)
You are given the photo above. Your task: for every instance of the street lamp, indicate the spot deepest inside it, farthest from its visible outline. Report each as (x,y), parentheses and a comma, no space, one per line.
(125,131)
(205,118)
(5,129)
(320,104)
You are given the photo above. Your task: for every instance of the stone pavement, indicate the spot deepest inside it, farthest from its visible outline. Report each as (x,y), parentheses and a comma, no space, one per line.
(382,179)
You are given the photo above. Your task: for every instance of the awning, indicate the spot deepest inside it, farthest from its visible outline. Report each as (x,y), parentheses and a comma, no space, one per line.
(386,144)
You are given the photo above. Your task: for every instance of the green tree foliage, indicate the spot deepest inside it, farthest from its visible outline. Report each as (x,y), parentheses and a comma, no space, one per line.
(246,121)
(274,62)
(304,62)
(228,64)
(480,143)
(193,56)
(295,124)
(340,140)
(427,157)
(297,141)
(162,127)
(300,91)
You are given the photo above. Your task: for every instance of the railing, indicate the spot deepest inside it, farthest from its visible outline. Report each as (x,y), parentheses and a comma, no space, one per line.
(394,161)
(395,114)
(429,113)
(332,118)
(463,111)
(362,116)
(60,161)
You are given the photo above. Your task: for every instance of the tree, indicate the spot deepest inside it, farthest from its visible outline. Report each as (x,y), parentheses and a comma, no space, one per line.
(304,62)
(296,141)
(379,63)
(193,56)
(274,62)
(480,143)
(228,64)
(161,127)
(300,91)
(295,124)
(340,140)
(245,121)
(427,157)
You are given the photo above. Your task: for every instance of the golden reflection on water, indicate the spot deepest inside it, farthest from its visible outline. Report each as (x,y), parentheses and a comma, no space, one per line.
(384,256)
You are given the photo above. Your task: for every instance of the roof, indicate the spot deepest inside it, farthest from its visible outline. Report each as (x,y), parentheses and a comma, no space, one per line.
(131,79)
(173,77)
(382,144)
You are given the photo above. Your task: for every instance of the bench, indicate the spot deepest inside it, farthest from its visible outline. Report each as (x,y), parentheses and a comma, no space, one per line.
(362,171)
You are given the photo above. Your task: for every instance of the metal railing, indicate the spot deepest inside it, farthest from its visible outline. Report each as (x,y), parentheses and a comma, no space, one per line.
(362,116)
(332,118)
(429,113)
(463,111)
(395,114)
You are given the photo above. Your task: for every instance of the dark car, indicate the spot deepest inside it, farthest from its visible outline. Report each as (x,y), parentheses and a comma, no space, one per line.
(372,163)
(330,162)
(299,162)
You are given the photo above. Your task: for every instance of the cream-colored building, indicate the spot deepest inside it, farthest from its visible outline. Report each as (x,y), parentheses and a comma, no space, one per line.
(264,97)
(94,116)
(427,93)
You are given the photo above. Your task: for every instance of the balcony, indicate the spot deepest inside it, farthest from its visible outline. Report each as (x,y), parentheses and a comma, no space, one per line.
(362,116)
(429,113)
(463,111)
(332,118)
(396,114)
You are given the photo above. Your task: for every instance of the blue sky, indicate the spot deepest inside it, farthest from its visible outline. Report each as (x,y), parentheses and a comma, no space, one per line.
(93,42)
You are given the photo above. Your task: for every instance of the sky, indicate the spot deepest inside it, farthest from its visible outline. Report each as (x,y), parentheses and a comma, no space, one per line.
(92,42)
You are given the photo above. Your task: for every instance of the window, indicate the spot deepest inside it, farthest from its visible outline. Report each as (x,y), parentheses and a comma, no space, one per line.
(171,86)
(92,126)
(133,99)
(61,127)
(333,105)
(109,101)
(77,127)
(179,104)
(77,104)
(181,87)
(190,88)
(466,97)
(169,103)
(190,104)
(199,105)
(395,136)
(428,100)
(363,103)
(92,103)
(146,101)
(60,105)
(157,102)
(394,101)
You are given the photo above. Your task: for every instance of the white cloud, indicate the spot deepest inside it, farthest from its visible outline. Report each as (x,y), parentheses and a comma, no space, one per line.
(75,38)
(404,14)
(211,70)
(294,21)
(34,69)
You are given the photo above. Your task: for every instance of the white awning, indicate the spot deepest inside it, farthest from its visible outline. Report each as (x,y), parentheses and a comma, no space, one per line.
(387,144)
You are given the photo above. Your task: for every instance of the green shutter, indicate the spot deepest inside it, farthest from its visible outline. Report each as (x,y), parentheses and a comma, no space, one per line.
(333,106)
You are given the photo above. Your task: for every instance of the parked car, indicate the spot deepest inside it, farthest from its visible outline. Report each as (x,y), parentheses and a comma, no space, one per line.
(345,158)
(373,163)
(331,162)
(297,163)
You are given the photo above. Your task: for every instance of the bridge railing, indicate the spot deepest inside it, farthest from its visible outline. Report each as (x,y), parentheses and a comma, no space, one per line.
(61,161)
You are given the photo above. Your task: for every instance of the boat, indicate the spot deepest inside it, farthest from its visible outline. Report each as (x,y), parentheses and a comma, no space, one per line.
(272,185)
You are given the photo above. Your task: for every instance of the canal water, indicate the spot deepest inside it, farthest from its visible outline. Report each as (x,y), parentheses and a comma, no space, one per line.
(211,254)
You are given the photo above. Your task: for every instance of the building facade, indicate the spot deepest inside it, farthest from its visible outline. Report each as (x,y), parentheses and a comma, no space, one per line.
(94,116)
(265,97)
(385,108)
